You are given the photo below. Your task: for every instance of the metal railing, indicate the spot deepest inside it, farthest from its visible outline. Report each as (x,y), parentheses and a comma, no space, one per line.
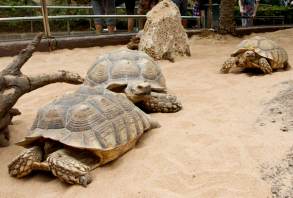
(36,18)
(273,18)
(45,17)
(44,7)
(49,7)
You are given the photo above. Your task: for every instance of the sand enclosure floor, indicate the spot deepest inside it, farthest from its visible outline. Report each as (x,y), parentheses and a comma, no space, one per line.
(212,148)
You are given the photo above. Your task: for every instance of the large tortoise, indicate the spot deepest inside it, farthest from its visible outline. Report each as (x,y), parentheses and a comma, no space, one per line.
(258,52)
(135,74)
(79,132)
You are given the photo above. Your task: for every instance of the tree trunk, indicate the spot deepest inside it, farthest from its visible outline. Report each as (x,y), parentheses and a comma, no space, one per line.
(227,20)
(13,84)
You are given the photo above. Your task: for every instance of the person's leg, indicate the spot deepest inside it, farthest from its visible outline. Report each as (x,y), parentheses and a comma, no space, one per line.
(110,10)
(98,10)
(202,19)
(250,21)
(142,10)
(130,6)
(245,20)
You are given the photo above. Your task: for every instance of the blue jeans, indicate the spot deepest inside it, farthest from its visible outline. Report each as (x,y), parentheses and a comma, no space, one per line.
(104,7)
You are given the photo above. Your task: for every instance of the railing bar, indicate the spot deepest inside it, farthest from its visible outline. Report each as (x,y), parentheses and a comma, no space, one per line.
(64,7)
(53,7)
(83,16)
(260,17)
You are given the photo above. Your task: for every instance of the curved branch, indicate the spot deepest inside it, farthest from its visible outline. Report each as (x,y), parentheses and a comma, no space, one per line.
(14,84)
(14,67)
(59,76)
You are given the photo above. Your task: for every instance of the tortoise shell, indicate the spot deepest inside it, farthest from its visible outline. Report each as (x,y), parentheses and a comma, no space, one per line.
(265,48)
(91,118)
(118,68)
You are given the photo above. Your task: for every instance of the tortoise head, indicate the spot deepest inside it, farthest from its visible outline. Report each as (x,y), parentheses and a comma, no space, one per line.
(137,91)
(246,57)
(249,55)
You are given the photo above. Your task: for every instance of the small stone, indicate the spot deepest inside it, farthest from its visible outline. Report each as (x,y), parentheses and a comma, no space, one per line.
(284,129)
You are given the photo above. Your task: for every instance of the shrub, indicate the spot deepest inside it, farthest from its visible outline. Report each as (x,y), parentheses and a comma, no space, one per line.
(271,10)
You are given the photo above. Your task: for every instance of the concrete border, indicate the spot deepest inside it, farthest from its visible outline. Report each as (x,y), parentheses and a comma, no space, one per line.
(12,48)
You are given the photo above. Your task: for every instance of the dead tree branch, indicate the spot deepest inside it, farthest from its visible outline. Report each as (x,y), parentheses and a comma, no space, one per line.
(13,84)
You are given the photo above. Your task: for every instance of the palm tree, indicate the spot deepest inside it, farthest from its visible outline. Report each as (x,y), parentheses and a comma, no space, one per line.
(227,22)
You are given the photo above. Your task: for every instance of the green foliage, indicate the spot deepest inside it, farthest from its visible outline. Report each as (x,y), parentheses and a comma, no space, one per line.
(56,25)
(17,26)
(272,10)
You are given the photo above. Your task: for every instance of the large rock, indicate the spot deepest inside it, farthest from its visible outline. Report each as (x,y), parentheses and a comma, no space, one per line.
(163,34)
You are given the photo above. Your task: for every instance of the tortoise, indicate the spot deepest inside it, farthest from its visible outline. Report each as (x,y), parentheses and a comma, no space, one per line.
(135,74)
(80,131)
(258,52)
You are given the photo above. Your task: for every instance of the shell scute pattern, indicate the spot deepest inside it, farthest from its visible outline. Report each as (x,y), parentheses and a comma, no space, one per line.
(98,122)
(51,117)
(124,69)
(99,73)
(265,48)
(82,117)
(130,122)
(149,71)
(105,134)
(123,66)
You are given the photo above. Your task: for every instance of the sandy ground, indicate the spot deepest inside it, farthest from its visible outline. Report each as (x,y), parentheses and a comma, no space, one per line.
(212,148)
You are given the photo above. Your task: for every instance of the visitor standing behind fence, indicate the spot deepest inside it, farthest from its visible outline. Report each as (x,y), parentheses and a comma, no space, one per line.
(143,7)
(196,12)
(248,10)
(104,7)
(130,6)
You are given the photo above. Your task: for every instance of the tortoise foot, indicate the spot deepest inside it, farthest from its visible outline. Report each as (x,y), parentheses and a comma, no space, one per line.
(228,64)
(265,66)
(23,164)
(161,102)
(69,169)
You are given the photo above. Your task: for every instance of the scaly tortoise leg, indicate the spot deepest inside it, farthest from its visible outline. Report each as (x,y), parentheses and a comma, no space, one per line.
(228,64)
(72,167)
(287,66)
(26,162)
(162,102)
(265,66)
